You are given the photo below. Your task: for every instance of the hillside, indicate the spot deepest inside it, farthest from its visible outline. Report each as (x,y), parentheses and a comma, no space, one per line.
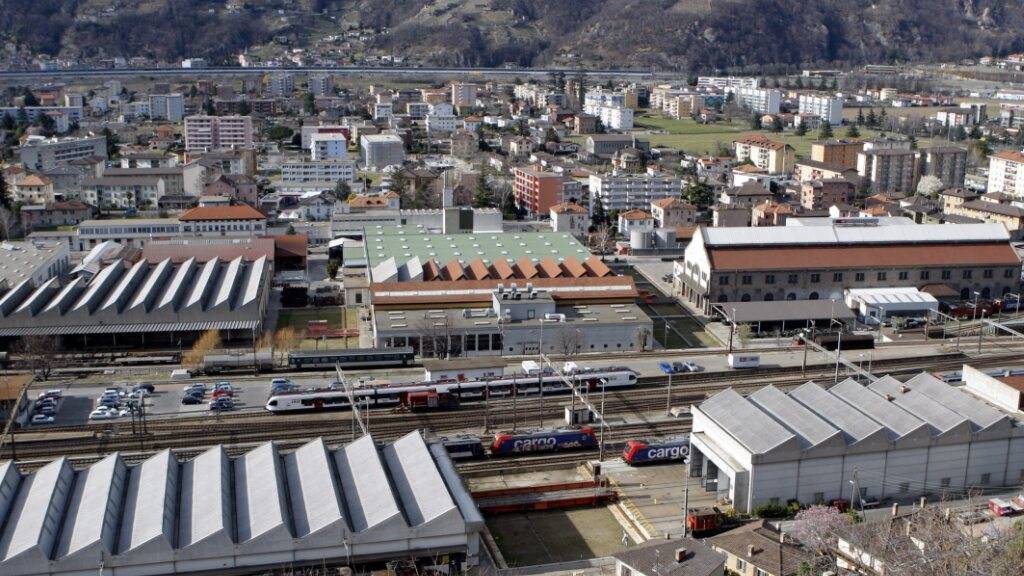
(668,34)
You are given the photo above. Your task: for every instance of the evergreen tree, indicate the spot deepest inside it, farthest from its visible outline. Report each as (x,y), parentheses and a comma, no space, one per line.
(483,196)
(698,193)
(801,130)
(960,134)
(825,132)
(8,123)
(882,117)
(244,109)
(342,190)
(208,108)
(853,131)
(913,142)
(112,143)
(755,122)
(309,104)
(599,216)
(776,125)
(975,132)
(30,98)
(872,119)
(5,196)
(508,209)
(860,117)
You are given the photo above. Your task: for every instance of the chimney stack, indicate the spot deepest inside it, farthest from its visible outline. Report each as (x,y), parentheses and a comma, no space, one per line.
(680,555)
(895,509)
(923,501)
(750,550)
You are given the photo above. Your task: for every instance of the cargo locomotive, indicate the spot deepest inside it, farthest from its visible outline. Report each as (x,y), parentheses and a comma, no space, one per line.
(543,441)
(638,452)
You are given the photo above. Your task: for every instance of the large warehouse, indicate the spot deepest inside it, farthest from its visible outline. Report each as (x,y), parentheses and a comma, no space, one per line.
(887,439)
(262,510)
(142,303)
(821,262)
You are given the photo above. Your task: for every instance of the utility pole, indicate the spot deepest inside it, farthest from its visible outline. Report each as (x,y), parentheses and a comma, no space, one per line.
(601,439)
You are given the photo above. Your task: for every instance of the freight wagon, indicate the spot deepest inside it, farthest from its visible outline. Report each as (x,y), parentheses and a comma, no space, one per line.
(638,452)
(543,441)
(464,447)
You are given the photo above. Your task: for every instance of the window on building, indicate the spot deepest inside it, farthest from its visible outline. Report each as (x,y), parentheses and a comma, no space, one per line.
(1008,273)
(904,487)
(815,278)
(945,482)
(723,280)
(947,274)
(759,572)
(741,565)
(531,314)
(986,479)
(837,276)
(967,274)
(882,276)
(863,492)
(987,273)
(748,279)
(925,274)
(793,278)
(903,275)
(859,276)
(470,342)
(769,278)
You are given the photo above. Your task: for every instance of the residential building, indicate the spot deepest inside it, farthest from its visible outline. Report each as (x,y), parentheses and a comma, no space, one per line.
(989,208)
(33,189)
(839,152)
(585,124)
(309,131)
(237,187)
(1006,173)
(539,96)
(123,193)
(605,146)
(758,549)
(328,146)
(726,82)
(823,194)
(616,117)
(889,169)
(32,263)
(772,155)
(134,232)
(209,133)
(321,84)
(55,214)
(536,191)
(327,172)
(947,163)
(39,153)
(170,107)
(570,217)
(759,100)
(382,150)
(820,262)
(673,212)
(280,84)
(382,110)
(465,144)
(679,557)
(635,221)
(952,198)
(827,107)
(745,196)
(771,213)
(811,170)
(441,118)
(621,192)
(178,180)
(32,113)
(237,220)
(464,94)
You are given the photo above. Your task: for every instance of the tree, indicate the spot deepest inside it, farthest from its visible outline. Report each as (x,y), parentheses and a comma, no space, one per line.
(332,268)
(550,136)
(601,238)
(642,335)
(208,108)
(48,125)
(8,123)
(699,193)
(975,132)
(826,130)
(207,343)
(568,341)
(882,118)
(755,122)
(112,143)
(244,109)
(860,117)
(980,149)
(279,133)
(30,98)
(41,354)
(9,225)
(776,125)
(309,104)
(930,186)
(817,527)
(801,129)
(436,337)
(913,141)
(342,190)
(291,230)
(853,131)
(286,339)
(960,134)
(872,119)
(483,196)
(599,216)
(5,194)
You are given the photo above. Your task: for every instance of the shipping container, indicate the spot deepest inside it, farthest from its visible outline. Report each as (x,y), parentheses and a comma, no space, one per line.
(543,441)
(1000,507)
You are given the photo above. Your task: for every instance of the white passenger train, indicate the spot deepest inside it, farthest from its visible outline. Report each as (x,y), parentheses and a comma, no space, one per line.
(466,391)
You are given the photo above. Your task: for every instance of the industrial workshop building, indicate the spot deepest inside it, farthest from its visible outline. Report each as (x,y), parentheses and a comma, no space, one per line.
(213,514)
(723,265)
(141,303)
(860,443)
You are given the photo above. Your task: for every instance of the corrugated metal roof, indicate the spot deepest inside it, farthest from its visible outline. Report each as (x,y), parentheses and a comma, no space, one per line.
(95,507)
(939,417)
(34,516)
(205,511)
(259,494)
(365,485)
(314,495)
(980,414)
(805,235)
(751,427)
(794,416)
(854,424)
(419,484)
(897,420)
(150,504)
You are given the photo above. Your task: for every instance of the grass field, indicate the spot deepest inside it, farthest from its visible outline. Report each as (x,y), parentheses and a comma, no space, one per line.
(531,538)
(336,317)
(695,138)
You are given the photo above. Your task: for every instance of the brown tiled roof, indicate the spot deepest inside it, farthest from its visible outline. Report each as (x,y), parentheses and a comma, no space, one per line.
(1011,155)
(636,215)
(291,244)
(671,203)
(684,232)
(1015,382)
(502,269)
(526,268)
(360,201)
(597,268)
(762,141)
(573,267)
(431,270)
(768,553)
(453,271)
(477,270)
(34,180)
(879,257)
(567,207)
(237,212)
(550,268)
(749,169)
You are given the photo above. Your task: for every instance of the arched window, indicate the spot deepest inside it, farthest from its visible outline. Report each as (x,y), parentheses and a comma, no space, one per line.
(986,293)
(791,296)
(769,297)
(965,294)
(1006,290)
(813,296)
(723,298)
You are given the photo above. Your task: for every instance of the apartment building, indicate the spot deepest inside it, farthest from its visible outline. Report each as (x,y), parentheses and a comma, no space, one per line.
(237,220)
(38,153)
(1006,173)
(382,150)
(726,82)
(823,194)
(772,155)
(464,94)
(207,133)
(841,152)
(328,172)
(621,192)
(441,118)
(539,96)
(827,107)
(321,84)
(673,212)
(128,193)
(810,170)
(889,170)
(570,217)
(32,113)
(33,189)
(759,100)
(820,262)
(947,163)
(635,221)
(328,146)
(536,191)
(990,208)
(280,84)
(616,117)
(170,107)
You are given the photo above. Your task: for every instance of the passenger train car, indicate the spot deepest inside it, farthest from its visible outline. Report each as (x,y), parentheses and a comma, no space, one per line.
(465,391)
(351,358)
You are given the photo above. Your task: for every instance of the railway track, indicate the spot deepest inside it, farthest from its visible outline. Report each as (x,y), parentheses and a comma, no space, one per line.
(251,428)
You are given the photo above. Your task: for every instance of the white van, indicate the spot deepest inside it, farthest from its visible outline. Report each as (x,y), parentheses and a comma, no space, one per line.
(180,374)
(744,361)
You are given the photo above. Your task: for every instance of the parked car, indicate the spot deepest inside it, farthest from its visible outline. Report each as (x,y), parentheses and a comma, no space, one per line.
(42,419)
(104,413)
(222,392)
(196,386)
(191,399)
(280,382)
(692,367)
(46,409)
(55,394)
(149,388)
(222,403)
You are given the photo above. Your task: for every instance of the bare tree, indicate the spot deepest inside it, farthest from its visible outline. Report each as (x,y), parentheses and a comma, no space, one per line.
(9,227)
(569,341)
(41,354)
(601,238)
(641,335)
(436,336)
(285,340)
(208,342)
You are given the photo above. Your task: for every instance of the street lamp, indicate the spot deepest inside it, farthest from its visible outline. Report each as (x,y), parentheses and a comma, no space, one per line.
(732,327)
